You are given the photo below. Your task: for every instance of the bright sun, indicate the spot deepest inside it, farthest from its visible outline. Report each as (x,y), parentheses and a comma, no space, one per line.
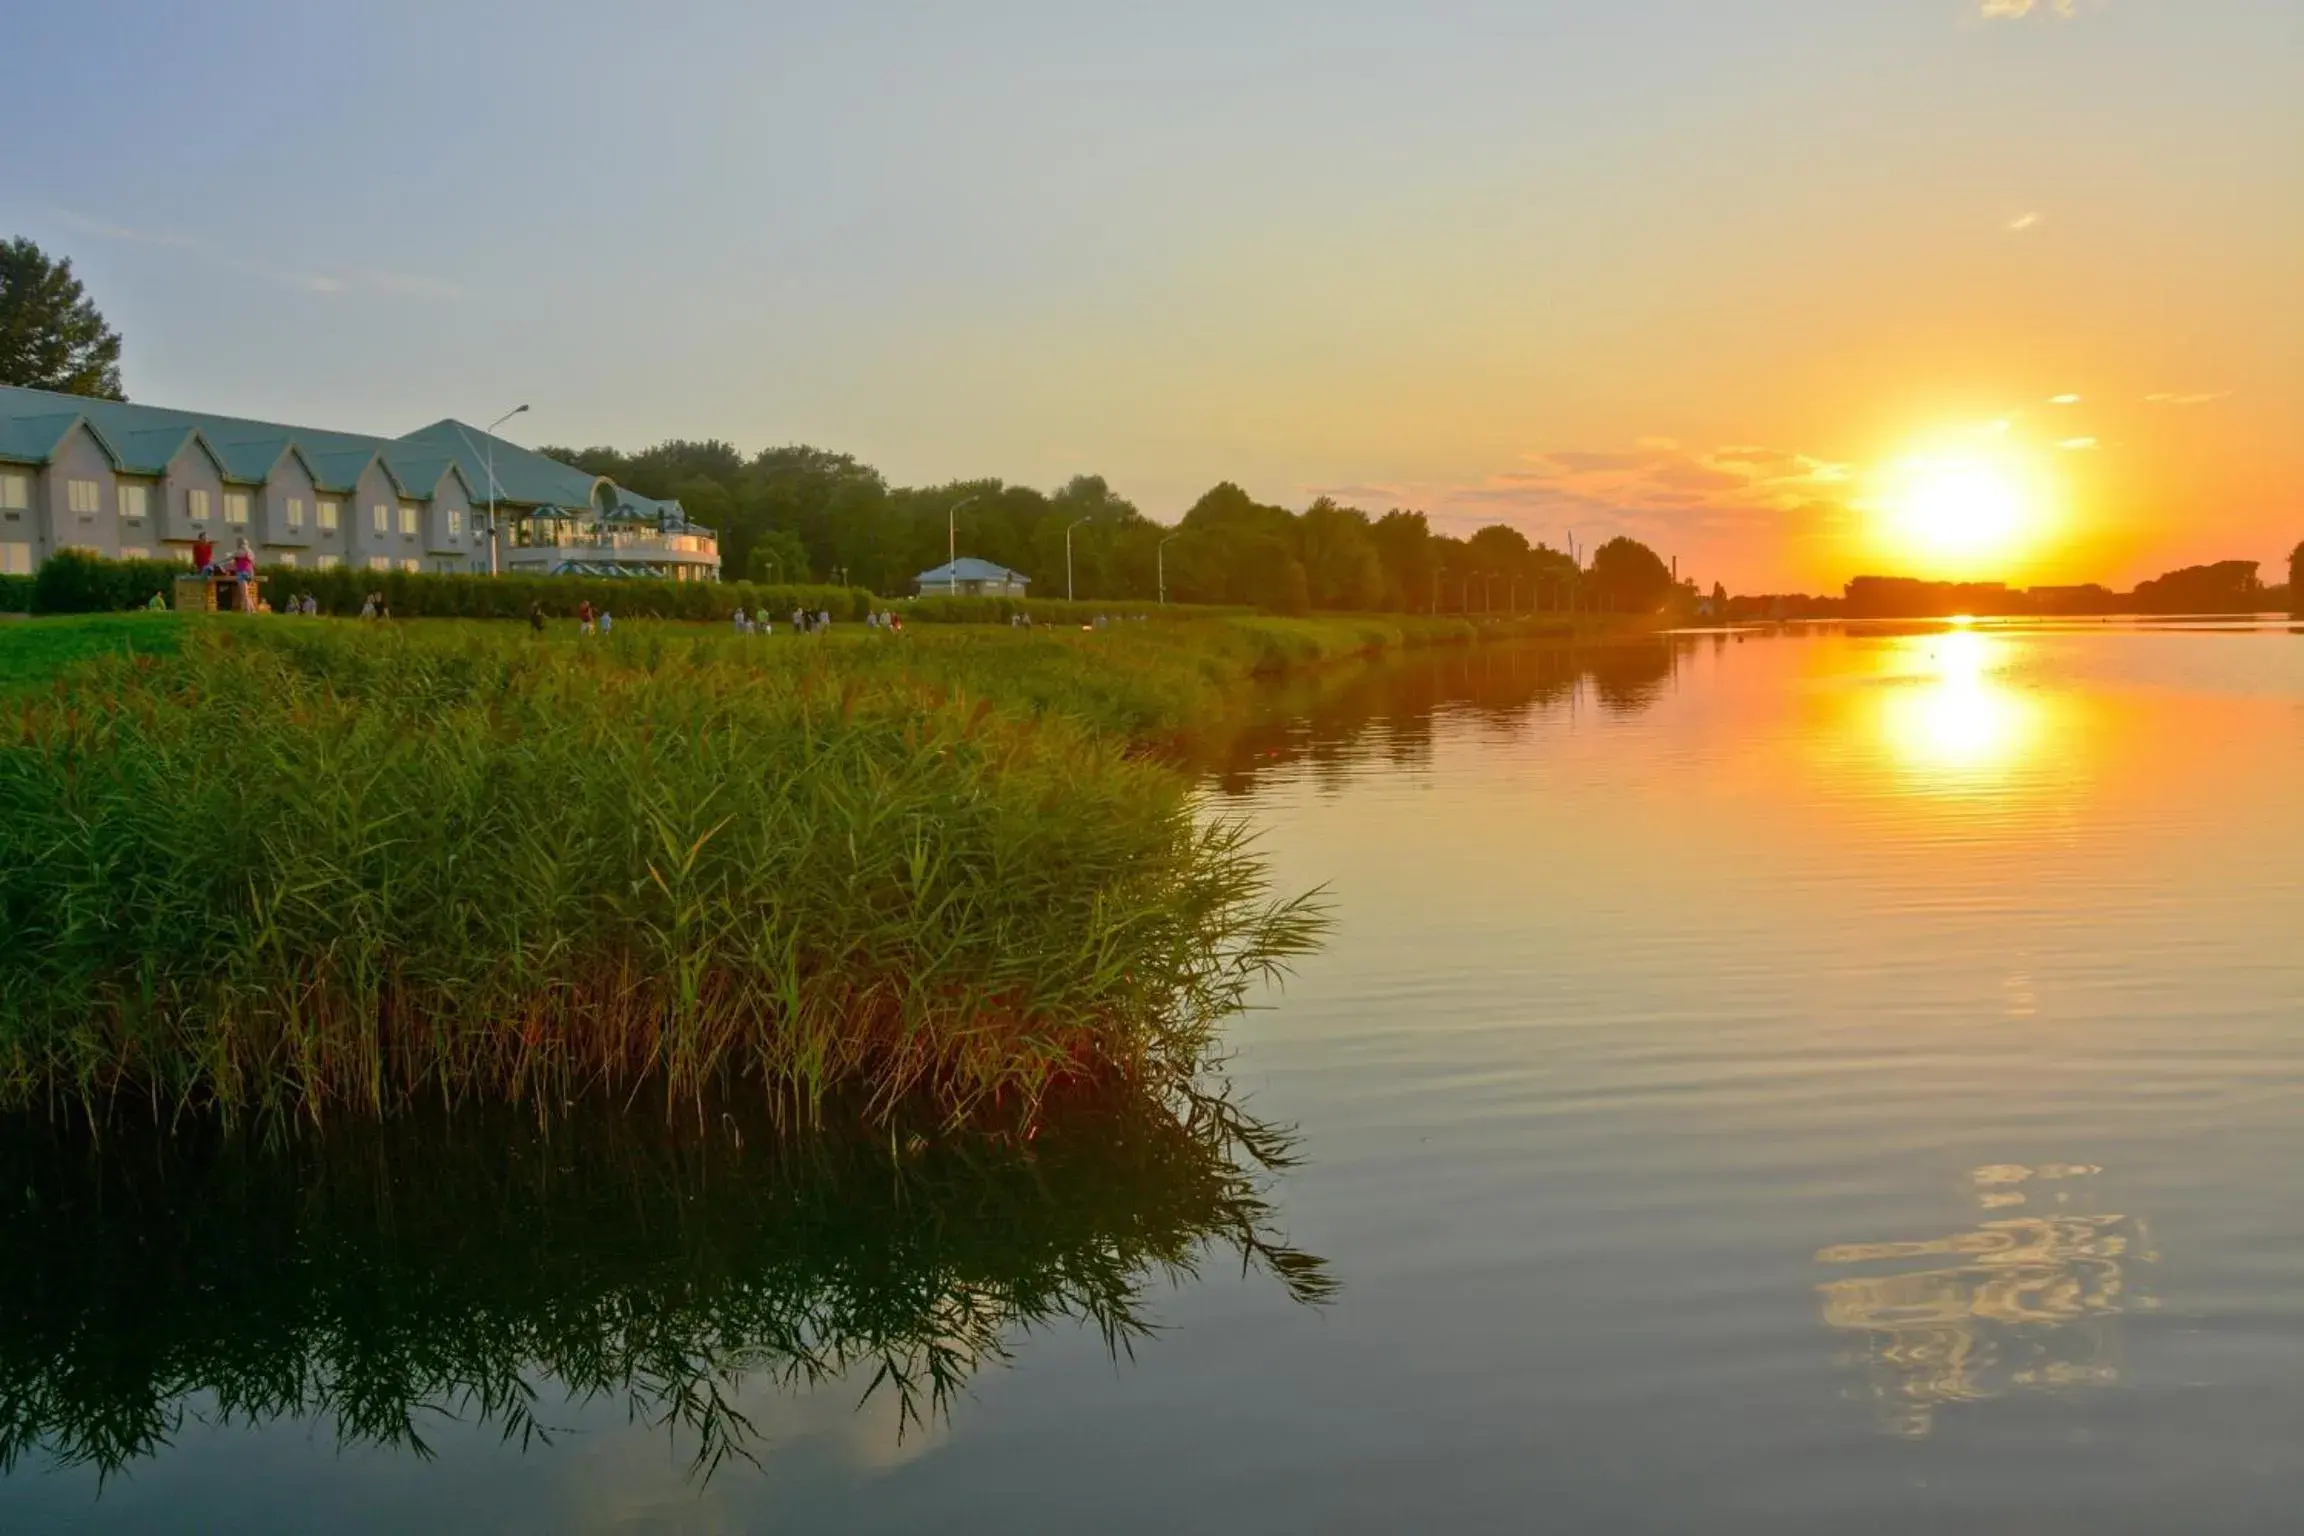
(1960,515)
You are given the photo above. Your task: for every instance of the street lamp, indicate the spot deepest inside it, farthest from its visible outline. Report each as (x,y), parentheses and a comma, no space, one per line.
(952,545)
(1160,561)
(1076,522)
(493,541)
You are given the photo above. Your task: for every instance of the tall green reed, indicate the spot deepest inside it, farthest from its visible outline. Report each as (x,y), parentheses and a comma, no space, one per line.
(319,869)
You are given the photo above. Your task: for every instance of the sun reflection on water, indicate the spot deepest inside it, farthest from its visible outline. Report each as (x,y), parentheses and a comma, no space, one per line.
(1950,716)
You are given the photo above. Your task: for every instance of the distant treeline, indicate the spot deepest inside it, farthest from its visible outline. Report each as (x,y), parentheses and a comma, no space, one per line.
(2227,586)
(800,513)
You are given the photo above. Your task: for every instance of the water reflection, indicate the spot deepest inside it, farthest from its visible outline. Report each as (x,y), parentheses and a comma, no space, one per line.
(1360,718)
(1949,716)
(377,1281)
(2026,1303)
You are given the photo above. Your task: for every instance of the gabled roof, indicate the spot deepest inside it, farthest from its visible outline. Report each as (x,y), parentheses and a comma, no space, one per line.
(521,477)
(969,568)
(34,439)
(143,439)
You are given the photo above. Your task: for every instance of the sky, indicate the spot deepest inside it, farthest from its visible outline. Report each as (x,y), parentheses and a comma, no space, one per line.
(1768,284)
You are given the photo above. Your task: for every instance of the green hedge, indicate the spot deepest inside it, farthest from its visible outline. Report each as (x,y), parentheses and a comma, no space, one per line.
(934,609)
(71,582)
(15,594)
(416,595)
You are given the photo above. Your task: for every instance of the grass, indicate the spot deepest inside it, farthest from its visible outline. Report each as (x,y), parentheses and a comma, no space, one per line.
(34,652)
(279,868)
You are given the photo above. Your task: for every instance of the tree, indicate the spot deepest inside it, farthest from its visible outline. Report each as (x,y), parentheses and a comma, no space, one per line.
(778,555)
(1631,576)
(2296,579)
(51,336)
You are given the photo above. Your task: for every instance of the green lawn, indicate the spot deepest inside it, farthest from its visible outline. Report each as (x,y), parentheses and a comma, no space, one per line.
(33,651)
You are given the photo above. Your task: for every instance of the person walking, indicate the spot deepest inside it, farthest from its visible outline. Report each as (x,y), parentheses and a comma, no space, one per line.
(535,617)
(607,622)
(584,617)
(368,606)
(738,621)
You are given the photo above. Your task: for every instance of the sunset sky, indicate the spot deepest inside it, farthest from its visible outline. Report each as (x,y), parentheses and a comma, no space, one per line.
(1748,279)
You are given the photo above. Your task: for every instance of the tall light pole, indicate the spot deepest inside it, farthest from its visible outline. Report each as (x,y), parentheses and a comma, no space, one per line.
(952,545)
(1160,562)
(1076,522)
(492,539)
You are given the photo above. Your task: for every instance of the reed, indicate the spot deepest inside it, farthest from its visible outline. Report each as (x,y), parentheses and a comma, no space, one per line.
(312,869)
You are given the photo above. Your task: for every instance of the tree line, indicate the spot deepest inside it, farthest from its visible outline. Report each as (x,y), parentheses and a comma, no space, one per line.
(801,513)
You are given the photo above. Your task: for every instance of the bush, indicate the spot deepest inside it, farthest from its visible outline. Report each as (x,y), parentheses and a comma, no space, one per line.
(934,608)
(15,594)
(419,595)
(72,582)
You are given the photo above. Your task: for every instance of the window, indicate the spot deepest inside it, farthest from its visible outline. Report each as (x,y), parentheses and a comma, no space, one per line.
(295,511)
(381,516)
(286,557)
(327,562)
(407,518)
(379,562)
(196,504)
(15,493)
(134,552)
(15,559)
(83,496)
(455,522)
(411,565)
(134,500)
(236,507)
(326,512)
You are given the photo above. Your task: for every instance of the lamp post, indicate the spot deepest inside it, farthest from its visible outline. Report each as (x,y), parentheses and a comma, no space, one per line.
(952,545)
(493,541)
(1076,522)
(1160,562)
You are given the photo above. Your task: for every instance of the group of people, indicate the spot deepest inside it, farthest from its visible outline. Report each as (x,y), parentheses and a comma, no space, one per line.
(302,603)
(804,622)
(240,565)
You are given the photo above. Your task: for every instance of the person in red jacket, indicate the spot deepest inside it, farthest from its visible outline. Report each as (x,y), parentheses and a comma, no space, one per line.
(203,554)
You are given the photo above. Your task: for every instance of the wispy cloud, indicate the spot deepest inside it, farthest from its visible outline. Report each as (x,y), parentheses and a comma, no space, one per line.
(2063,399)
(2206,399)
(2023,223)
(2017,10)
(1659,491)
(2077,444)
(325,284)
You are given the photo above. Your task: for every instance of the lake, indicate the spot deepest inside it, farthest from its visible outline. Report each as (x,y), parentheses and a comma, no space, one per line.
(1812,1080)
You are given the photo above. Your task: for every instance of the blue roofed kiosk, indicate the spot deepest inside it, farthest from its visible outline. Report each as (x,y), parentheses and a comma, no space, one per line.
(971,577)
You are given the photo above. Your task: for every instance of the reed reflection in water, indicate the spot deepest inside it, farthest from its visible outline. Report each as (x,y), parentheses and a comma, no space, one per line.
(389,1282)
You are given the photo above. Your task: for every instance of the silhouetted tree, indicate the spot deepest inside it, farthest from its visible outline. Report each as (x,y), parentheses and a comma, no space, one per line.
(51,336)
(1630,576)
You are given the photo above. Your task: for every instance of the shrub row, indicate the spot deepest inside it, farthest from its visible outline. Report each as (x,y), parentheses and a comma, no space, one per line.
(15,594)
(71,582)
(421,595)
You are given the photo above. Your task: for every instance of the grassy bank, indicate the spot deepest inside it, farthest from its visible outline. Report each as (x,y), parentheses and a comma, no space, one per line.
(315,868)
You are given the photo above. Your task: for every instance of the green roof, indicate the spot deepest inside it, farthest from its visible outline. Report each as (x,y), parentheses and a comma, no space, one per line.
(143,439)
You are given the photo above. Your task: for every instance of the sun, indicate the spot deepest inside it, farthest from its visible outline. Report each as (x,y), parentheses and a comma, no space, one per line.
(1960,514)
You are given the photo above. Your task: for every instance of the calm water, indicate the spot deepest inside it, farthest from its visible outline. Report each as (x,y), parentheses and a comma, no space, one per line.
(1809,1082)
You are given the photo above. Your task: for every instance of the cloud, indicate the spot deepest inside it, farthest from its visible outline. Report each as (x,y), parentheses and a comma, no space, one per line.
(2063,399)
(1732,509)
(2023,223)
(2017,10)
(324,284)
(2077,444)
(2206,399)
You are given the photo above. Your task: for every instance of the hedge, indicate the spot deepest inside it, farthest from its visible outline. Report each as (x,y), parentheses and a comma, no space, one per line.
(417,595)
(15,594)
(935,608)
(72,582)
